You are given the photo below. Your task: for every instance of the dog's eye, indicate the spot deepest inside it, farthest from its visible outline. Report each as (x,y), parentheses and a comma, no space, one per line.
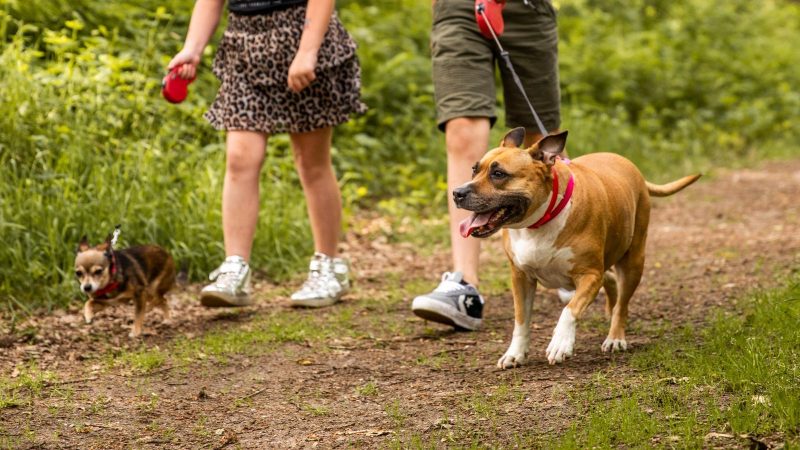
(98,272)
(78,273)
(474,169)
(498,174)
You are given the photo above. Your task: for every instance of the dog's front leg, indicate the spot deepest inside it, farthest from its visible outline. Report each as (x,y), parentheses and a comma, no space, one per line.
(523,290)
(563,342)
(88,310)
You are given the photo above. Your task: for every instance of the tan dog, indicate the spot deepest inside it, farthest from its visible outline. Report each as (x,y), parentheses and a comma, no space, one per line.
(142,274)
(596,240)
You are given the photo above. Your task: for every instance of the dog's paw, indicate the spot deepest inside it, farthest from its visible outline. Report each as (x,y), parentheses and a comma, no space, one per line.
(134,334)
(614,345)
(563,341)
(515,356)
(510,361)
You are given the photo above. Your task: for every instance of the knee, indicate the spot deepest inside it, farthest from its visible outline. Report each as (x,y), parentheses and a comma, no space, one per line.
(310,166)
(243,161)
(464,134)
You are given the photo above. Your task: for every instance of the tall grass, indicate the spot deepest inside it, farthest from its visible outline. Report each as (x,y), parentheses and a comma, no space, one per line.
(86,142)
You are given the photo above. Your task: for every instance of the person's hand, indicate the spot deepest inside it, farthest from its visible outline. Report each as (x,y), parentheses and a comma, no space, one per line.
(301,72)
(188,60)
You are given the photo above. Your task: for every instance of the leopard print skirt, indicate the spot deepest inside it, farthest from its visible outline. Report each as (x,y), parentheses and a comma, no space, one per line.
(252,63)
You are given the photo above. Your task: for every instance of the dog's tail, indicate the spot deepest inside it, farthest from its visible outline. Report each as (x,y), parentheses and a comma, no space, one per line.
(663,190)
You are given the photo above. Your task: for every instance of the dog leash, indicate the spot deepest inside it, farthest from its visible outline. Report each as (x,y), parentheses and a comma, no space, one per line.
(480,8)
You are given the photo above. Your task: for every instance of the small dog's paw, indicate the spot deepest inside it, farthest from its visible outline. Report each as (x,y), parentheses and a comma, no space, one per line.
(511,360)
(614,345)
(134,334)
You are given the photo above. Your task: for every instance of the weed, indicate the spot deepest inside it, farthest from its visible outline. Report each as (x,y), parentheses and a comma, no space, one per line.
(369,389)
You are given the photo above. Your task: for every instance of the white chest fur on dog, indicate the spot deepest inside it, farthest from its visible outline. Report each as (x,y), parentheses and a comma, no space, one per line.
(535,253)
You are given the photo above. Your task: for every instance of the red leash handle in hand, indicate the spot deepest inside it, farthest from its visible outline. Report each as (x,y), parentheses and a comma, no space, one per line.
(491,10)
(173,87)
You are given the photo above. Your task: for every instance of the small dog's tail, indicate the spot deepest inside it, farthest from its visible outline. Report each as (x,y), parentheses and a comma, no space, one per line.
(663,190)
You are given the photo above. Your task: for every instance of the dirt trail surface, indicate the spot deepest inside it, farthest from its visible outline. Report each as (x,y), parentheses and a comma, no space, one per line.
(366,372)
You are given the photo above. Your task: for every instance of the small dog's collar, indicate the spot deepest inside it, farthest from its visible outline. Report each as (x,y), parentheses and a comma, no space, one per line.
(111,287)
(552,209)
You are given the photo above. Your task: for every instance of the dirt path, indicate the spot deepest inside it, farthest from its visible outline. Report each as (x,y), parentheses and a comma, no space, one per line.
(379,376)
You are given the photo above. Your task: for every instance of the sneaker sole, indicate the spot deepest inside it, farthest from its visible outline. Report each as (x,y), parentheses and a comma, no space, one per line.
(314,302)
(215,300)
(436,311)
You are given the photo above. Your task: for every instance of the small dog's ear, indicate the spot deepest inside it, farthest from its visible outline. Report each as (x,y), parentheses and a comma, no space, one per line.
(549,148)
(514,138)
(106,245)
(83,245)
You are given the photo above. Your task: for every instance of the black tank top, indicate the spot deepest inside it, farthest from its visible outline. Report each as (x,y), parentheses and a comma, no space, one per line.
(261,6)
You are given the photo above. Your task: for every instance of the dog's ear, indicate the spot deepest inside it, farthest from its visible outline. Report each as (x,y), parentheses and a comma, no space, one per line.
(514,138)
(106,245)
(83,245)
(549,148)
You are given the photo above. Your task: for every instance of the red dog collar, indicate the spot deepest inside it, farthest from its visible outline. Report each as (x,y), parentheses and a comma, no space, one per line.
(111,287)
(552,209)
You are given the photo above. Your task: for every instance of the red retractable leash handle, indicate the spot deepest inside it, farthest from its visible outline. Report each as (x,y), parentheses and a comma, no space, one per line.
(489,15)
(173,87)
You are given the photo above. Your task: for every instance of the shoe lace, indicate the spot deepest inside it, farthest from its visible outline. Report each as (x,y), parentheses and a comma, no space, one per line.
(317,279)
(227,274)
(228,278)
(448,285)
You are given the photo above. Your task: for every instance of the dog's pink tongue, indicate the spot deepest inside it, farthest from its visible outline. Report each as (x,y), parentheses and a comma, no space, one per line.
(472,222)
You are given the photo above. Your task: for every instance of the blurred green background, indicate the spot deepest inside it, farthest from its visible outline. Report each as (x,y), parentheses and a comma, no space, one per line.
(86,141)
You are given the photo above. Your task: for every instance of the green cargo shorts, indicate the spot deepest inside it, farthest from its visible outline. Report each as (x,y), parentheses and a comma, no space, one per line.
(464,63)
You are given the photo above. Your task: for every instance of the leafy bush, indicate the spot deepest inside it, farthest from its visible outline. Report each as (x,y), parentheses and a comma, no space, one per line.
(86,141)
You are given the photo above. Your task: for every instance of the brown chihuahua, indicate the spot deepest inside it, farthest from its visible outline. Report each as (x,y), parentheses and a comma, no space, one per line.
(142,273)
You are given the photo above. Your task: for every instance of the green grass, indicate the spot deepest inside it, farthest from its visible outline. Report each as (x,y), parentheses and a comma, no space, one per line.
(24,387)
(738,376)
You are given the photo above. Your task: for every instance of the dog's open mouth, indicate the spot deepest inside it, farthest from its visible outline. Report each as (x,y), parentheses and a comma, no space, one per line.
(484,224)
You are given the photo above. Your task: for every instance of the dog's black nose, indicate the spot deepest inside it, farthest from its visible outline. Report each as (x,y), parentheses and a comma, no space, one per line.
(87,288)
(460,193)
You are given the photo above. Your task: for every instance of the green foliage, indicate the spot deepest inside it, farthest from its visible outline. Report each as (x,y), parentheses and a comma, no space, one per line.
(681,85)
(86,142)
(741,380)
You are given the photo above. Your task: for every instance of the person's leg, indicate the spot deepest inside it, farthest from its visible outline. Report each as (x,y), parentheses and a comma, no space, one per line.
(240,193)
(231,280)
(312,157)
(467,139)
(328,277)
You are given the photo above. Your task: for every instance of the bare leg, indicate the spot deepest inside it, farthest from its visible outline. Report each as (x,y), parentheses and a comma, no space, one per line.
(245,155)
(312,157)
(467,139)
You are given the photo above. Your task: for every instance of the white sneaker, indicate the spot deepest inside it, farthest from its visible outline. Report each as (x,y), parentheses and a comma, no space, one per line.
(231,286)
(328,279)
